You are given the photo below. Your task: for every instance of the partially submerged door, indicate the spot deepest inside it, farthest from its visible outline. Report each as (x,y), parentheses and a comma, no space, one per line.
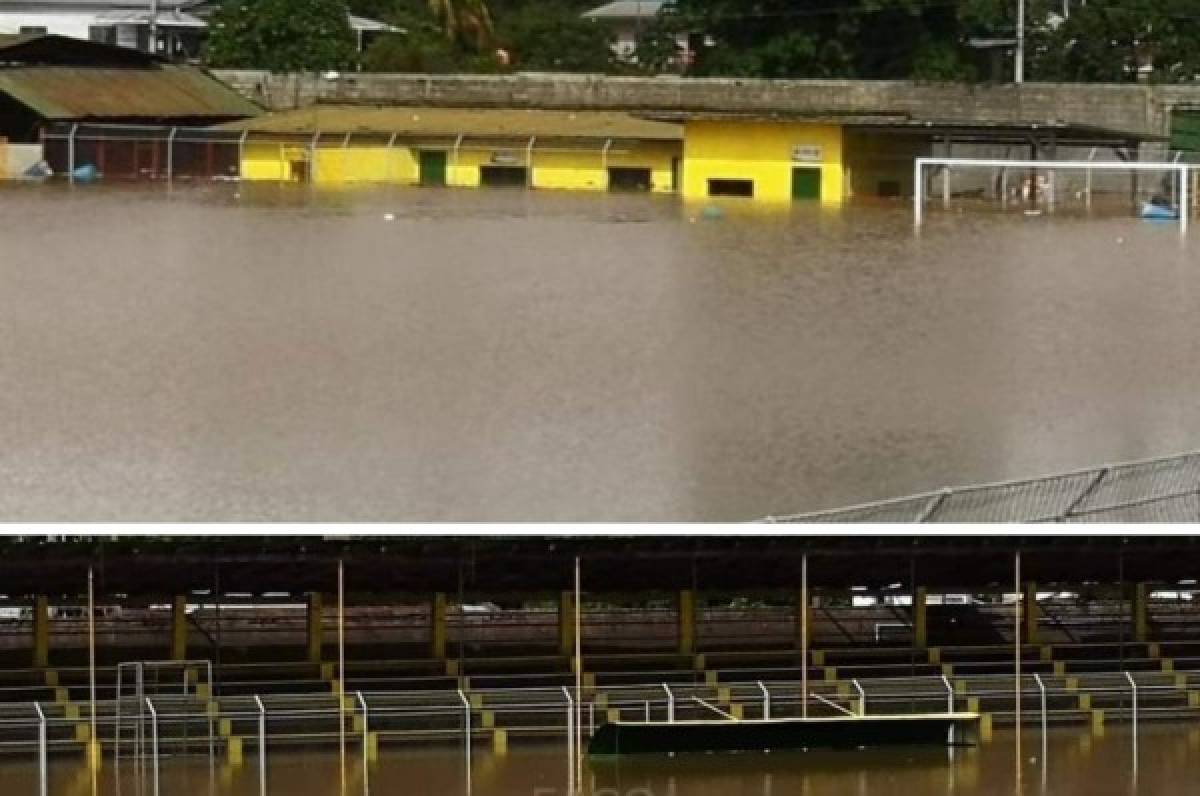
(806,183)
(432,164)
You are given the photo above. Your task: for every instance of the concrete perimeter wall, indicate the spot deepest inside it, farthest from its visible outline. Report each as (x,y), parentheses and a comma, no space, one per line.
(1141,109)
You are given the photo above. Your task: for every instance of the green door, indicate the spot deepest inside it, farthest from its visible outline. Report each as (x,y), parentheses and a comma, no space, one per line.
(433,167)
(1185,130)
(806,183)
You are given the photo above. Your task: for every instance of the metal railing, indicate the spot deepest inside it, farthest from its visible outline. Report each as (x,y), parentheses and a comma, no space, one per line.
(1154,490)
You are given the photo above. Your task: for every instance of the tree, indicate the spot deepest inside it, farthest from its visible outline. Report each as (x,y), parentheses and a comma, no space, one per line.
(1122,41)
(551,35)
(414,51)
(466,22)
(281,35)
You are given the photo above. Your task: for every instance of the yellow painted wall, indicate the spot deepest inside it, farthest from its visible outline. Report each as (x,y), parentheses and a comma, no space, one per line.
(271,161)
(583,169)
(366,164)
(762,152)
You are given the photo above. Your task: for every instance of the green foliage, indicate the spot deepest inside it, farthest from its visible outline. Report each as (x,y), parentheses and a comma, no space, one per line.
(657,47)
(416,51)
(550,35)
(281,35)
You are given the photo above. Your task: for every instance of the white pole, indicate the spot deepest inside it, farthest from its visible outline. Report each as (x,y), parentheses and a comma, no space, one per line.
(43,774)
(154,739)
(670,704)
(1019,67)
(766,700)
(1184,198)
(570,741)
(862,697)
(1042,690)
(918,176)
(467,736)
(342,668)
(949,694)
(1133,685)
(578,671)
(804,635)
(71,153)
(366,741)
(262,747)
(94,749)
(171,154)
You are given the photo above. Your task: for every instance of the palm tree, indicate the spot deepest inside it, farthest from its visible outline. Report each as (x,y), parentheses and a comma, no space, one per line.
(467,21)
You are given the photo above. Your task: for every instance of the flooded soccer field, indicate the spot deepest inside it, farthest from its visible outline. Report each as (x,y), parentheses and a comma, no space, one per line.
(227,353)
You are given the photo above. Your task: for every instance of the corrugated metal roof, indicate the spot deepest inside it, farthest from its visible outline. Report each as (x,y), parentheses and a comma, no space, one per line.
(626,9)
(491,122)
(162,92)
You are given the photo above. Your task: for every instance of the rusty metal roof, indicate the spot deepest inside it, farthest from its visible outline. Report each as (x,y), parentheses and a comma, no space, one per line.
(159,92)
(483,122)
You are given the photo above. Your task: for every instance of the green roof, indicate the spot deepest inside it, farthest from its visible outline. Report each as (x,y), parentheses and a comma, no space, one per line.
(159,92)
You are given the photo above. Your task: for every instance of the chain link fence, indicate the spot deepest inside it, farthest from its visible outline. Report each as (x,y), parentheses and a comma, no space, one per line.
(1156,490)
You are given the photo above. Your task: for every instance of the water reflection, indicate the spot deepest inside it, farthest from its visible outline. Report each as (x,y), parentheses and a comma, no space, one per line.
(1077,764)
(262,352)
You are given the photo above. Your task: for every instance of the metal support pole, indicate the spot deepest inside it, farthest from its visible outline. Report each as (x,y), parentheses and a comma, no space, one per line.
(241,165)
(171,154)
(71,153)
(366,740)
(949,694)
(262,746)
(1037,678)
(1184,199)
(341,586)
(1017,654)
(1133,686)
(670,704)
(578,671)
(154,740)
(766,695)
(467,736)
(1019,66)
(529,162)
(862,698)
(570,740)
(804,636)
(94,739)
(918,192)
(43,772)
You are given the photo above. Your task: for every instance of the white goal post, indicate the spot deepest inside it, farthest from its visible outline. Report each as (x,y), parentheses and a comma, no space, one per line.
(1182,169)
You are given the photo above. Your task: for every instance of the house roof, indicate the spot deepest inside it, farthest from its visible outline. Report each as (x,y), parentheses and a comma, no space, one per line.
(39,49)
(626,9)
(451,122)
(162,92)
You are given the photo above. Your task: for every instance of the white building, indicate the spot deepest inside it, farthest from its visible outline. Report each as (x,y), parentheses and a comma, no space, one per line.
(628,19)
(179,25)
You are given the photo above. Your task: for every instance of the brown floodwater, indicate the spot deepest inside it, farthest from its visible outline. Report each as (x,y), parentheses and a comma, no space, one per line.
(227,352)
(1075,764)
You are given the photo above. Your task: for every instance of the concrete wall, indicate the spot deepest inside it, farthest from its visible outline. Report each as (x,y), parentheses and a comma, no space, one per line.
(1136,108)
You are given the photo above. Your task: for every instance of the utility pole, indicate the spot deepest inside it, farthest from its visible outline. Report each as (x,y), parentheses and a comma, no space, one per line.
(1019,71)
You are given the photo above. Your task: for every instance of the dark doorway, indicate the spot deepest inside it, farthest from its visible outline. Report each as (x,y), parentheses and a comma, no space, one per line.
(504,176)
(629,179)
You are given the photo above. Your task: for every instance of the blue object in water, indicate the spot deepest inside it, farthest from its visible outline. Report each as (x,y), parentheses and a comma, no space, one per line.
(712,212)
(85,173)
(1155,212)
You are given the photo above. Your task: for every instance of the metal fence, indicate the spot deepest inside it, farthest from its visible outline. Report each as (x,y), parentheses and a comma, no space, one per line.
(1155,490)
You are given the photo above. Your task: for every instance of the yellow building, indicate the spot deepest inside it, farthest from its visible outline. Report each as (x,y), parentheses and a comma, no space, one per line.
(330,145)
(769,161)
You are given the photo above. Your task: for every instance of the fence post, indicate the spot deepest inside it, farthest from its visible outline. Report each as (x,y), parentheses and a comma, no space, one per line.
(1042,690)
(670,704)
(71,153)
(918,191)
(766,700)
(862,698)
(366,740)
(171,154)
(262,746)
(1133,686)
(43,774)
(154,739)
(467,735)
(570,740)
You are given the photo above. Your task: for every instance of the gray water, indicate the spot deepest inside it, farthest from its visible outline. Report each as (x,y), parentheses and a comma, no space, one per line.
(229,353)
(1076,764)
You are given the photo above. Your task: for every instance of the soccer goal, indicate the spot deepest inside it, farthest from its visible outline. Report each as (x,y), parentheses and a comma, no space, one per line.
(1154,190)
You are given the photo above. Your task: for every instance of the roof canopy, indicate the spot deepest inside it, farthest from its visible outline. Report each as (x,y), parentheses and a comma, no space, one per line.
(41,49)
(451,122)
